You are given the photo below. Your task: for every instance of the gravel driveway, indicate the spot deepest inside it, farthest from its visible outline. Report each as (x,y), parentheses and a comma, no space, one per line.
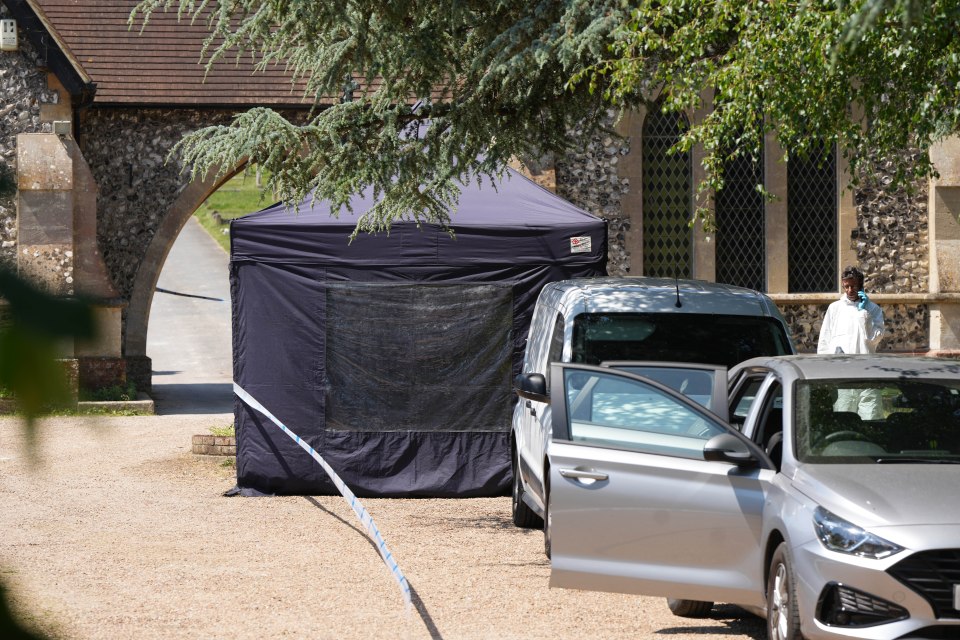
(118,531)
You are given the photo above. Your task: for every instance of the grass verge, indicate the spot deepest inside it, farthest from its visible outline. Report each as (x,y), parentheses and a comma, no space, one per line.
(237,197)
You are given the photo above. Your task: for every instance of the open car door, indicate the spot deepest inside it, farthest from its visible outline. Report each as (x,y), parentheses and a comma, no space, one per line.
(651,493)
(705,383)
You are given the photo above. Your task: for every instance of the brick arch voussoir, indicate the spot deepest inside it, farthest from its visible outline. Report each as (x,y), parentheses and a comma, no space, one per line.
(145,282)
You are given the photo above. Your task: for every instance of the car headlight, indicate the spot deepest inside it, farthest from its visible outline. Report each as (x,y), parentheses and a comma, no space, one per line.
(836,534)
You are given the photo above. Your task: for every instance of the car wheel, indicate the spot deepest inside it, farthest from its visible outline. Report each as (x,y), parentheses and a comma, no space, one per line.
(783,619)
(689,608)
(523,516)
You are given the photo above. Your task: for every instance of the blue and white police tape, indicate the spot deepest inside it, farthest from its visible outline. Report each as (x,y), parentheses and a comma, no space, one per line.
(365,519)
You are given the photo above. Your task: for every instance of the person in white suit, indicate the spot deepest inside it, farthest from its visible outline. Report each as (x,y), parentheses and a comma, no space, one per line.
(853,325)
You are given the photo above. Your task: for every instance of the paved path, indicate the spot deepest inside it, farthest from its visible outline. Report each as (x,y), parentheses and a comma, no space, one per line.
(190,332)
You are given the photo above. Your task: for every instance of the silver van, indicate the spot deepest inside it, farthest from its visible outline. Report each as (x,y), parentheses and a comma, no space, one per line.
(635,323)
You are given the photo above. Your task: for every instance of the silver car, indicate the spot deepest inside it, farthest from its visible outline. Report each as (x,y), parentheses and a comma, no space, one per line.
(828,502)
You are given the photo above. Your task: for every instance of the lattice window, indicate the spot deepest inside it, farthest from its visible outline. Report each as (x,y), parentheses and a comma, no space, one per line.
(812,227)
(667,197)
(739,215)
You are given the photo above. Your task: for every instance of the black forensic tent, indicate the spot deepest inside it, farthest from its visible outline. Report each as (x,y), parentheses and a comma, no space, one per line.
(393,356)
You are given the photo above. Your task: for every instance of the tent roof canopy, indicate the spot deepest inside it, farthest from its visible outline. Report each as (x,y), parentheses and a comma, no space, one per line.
(490,225)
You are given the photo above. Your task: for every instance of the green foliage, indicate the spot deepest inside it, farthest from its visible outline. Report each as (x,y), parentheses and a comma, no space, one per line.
(238,197)
(225,431)
(872,77)
(499,79)
(34,322)
(870,12)
(490,77)
(115,393)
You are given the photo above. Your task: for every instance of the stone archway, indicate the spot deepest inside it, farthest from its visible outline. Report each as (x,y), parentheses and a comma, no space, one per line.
(148,273)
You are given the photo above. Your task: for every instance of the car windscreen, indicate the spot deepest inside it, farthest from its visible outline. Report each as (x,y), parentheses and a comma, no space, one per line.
(676,337)
(872,421)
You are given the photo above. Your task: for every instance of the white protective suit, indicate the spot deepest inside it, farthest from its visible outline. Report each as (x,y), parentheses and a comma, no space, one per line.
(854,331)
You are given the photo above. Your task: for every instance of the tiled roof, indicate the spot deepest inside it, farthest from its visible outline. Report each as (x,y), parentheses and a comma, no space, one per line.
(161,65)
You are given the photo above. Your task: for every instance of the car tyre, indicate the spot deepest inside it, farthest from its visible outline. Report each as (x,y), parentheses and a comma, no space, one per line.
(523,516)
(689,608)
(783,619)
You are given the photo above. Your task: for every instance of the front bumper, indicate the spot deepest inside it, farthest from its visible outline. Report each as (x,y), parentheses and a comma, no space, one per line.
(843,596)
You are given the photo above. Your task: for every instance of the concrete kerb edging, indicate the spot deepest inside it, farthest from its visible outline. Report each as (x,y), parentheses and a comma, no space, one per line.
(142,406)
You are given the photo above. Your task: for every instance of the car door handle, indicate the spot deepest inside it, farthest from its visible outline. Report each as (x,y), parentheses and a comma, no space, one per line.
(584,474)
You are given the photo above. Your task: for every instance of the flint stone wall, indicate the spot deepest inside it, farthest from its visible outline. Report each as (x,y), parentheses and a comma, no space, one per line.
(587,177)
(906,326)
(891,238)
(23,87)
(128,154)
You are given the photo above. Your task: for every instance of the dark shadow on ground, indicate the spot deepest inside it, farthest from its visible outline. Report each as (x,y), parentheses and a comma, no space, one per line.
(193,398)
(188,295)
(736,621)
(415,599)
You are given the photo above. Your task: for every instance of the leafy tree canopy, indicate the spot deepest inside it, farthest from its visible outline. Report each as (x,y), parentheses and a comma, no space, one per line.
(873,77)
(489,75)
(501,78)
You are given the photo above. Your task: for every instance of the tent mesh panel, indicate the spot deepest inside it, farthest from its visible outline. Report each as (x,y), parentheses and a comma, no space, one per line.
(667,196)
(397,357)
(812,228)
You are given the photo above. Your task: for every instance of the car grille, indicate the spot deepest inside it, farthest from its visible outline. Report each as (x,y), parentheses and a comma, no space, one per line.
(932,574)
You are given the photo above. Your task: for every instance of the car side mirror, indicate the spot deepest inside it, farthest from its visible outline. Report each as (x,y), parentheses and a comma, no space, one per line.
(726,447)
(532,386)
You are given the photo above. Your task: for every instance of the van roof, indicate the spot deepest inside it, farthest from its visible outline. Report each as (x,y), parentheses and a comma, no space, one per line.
(624,294)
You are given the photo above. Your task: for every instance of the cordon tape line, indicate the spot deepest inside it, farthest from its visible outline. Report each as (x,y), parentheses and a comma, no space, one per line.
(365,519)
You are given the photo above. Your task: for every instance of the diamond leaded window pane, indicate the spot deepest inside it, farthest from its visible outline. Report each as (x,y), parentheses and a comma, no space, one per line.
(739,216)
(812,227)
(667,195)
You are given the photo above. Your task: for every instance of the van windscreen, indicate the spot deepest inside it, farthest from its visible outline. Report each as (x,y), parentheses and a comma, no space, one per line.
(677,337)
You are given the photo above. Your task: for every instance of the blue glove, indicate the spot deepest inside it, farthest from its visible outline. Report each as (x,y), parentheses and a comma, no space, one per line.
(863,299)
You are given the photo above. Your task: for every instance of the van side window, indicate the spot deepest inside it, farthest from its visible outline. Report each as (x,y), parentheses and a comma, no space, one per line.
(556,345)
(556,341)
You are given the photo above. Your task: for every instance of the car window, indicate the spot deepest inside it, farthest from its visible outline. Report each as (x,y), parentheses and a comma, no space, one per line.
(742,400)
(695,384)
(556,341)
(556,344)
(883,420)
(770,415)
(609,410)
(676,337)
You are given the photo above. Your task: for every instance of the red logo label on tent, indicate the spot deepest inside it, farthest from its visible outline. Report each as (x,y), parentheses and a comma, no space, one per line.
(580,244)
